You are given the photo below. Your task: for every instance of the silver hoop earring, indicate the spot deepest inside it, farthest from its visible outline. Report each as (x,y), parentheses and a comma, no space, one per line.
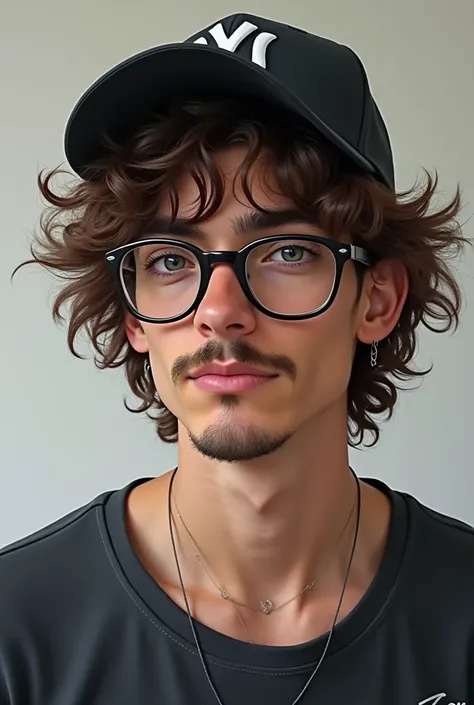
(374,353)
(147,367)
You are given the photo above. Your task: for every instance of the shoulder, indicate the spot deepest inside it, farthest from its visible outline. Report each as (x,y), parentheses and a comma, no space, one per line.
(51,535)
(441,530)
(440,558)
(450,536)
(55,555)
(435,555)
(53,583)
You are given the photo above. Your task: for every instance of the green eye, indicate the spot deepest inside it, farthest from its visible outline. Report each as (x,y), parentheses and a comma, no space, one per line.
(292,254)
(173,262)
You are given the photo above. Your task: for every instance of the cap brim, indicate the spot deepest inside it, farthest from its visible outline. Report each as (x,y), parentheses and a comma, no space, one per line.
(130,94)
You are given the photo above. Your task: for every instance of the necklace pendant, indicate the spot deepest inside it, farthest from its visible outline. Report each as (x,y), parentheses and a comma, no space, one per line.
(266,606)
(224,594)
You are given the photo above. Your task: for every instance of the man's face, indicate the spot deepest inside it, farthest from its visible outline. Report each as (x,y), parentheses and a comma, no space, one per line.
(310,361)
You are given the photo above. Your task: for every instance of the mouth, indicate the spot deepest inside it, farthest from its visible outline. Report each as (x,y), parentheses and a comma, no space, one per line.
(230,378)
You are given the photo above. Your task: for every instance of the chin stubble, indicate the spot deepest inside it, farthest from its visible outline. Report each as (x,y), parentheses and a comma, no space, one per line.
(231,442)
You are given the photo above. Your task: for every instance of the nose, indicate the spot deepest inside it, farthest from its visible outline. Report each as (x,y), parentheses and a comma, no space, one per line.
(225,312)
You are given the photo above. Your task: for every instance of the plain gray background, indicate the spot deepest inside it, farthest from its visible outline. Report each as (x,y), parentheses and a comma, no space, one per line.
(64,433)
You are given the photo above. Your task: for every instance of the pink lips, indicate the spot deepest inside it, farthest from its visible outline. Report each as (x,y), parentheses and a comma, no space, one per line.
(230,378)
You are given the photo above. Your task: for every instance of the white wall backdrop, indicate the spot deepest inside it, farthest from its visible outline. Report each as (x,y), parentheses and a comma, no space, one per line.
(64,433)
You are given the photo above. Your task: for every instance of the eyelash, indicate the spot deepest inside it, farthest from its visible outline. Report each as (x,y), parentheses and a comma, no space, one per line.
(155,258)
(305,248)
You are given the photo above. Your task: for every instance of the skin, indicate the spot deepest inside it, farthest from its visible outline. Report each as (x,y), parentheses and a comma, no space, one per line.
(267,525)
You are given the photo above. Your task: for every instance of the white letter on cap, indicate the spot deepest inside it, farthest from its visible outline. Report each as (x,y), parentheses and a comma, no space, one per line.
(260,44)
(259,49)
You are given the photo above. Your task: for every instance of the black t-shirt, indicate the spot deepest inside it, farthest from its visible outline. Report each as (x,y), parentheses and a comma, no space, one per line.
(82,623)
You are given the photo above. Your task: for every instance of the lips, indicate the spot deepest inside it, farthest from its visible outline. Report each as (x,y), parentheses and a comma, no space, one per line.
(230,378)
(230,369)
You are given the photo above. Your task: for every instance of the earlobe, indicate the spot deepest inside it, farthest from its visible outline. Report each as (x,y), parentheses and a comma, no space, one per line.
(384,294)
(135,333)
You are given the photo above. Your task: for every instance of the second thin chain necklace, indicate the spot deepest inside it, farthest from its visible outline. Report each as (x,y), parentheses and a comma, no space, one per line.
(265,606)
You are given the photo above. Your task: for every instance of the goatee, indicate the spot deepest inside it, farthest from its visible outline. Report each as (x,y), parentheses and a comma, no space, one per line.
(233,443)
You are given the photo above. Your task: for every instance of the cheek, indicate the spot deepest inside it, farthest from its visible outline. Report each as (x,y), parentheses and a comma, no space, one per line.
(166,343)
(162,355)
(323,351)
(325,343)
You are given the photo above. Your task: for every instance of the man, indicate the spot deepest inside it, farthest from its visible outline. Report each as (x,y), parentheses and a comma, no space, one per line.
(237,243)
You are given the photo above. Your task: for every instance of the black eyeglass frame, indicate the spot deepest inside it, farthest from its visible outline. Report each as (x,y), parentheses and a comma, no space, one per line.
(342,253)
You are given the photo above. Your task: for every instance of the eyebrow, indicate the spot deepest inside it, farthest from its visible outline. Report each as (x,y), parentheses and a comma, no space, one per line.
(243,224)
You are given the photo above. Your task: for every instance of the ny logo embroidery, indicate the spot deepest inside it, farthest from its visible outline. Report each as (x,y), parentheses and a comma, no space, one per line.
(259,46)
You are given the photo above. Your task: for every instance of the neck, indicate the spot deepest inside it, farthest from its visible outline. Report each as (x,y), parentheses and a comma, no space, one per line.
(269,527)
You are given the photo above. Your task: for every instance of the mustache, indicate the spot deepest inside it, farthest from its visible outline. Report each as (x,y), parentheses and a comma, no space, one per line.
(238,350)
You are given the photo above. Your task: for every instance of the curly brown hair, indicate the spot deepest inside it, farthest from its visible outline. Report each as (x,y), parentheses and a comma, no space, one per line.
(121,195)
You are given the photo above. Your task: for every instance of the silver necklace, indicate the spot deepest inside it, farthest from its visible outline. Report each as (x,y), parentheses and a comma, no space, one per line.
(266,606)
(190,618)
(239,617)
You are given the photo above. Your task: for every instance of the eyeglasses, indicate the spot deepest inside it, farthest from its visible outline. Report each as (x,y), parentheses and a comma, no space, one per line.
(288,277)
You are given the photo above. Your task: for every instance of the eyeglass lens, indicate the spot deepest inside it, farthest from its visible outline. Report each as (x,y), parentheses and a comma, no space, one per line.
(291,276)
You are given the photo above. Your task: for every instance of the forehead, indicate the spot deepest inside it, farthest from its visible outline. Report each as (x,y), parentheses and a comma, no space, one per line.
(190,194)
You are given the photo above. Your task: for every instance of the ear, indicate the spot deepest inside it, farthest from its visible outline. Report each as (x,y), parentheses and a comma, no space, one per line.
(383,296)
(135,333)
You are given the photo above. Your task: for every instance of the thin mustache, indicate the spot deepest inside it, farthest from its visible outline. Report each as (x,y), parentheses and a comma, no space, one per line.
(238,350)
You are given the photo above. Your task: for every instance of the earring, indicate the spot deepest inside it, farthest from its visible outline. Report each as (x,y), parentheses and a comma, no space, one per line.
(374,353)
(147,367)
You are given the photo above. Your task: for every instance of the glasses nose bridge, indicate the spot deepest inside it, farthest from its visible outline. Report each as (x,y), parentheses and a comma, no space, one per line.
(230,257)
(221,257)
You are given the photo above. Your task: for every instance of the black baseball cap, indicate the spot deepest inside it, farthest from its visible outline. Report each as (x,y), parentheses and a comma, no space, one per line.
(320,82)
